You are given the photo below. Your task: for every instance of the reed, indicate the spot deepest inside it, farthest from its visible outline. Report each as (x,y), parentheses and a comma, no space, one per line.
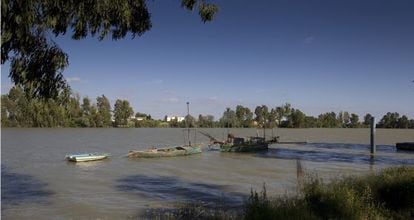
(388,194)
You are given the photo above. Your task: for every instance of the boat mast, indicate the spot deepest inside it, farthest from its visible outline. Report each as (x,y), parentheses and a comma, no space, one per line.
(188,125)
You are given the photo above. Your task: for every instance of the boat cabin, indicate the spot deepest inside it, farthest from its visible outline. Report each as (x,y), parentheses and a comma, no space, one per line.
(252,140)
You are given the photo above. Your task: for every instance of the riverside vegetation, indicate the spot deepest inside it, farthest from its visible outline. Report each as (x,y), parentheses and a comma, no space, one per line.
(19,109)
(388,194)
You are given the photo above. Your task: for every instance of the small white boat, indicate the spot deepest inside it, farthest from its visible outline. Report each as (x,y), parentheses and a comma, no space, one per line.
(86,157)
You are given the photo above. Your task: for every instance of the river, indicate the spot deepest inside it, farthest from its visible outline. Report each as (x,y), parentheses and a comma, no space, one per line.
(37,183)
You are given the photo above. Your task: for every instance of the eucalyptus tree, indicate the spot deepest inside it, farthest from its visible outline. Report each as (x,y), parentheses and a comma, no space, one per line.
(74,112)
(229,119)
(28,30)
(279,113)
(205,121)
(244,116)
(296,119)
(354,120)
(262,114)
(17,107)
(104,111)
(344,119)
(122,112)
(189,121)
(367,119)
(4,112)
(210,120)
(54,113)
(328,120)
(86,119)
(389,120)
(311,122)
(393,120)
(273,118)
(411,123)
(403,122)
(20,110)
(347,119)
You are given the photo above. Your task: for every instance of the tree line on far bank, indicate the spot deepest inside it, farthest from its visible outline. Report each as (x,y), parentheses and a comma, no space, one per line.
(68,110)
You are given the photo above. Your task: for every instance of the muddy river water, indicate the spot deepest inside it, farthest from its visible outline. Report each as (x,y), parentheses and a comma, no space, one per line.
(37,183)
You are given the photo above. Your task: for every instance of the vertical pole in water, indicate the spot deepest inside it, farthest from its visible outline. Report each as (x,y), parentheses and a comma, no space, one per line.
(373,147)
(188,125)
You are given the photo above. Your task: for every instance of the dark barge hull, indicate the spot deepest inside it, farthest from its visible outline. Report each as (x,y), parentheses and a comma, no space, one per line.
(405,146)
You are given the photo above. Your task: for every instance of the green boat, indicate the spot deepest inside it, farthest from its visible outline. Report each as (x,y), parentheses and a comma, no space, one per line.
(239,144)
(249,144)
(165,152)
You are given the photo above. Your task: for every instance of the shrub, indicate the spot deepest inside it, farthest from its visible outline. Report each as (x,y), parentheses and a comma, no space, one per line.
(259,206)
(388,194)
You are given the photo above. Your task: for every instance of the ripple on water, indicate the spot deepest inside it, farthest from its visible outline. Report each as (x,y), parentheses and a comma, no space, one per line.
(20,188)
(338,152)
(171,189)
(358,147)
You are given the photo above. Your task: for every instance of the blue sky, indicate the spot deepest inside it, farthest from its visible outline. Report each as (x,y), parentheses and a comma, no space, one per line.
(320,56)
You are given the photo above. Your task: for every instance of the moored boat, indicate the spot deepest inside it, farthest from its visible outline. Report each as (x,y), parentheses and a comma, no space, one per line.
(86,157)
(174,151)
(166,152)
(240,144)
(248,144)
(405,146)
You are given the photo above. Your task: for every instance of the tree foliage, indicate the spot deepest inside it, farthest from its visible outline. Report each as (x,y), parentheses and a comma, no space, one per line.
(104,112)
(229,119)
(328,120)
(279,115)
(37,62)
(367,119)
(244,116)
(122,112)
(297,119)
(206,121)
(354,120)
(68,110)
(393,120)
(20,110)
(189,121)
(262,115)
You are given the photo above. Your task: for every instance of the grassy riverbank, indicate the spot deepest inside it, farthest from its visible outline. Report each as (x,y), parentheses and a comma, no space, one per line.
(388,194)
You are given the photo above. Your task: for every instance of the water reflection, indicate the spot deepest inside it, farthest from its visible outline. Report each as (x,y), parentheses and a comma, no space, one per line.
(308,153)
(18,188)
(171,189)
(347,146)
(89,165)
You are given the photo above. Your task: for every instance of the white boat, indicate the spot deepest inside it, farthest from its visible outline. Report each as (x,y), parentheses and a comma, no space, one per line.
(86,157)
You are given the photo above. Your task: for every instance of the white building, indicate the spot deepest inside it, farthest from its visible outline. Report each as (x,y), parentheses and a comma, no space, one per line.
(173,118)
(140,118)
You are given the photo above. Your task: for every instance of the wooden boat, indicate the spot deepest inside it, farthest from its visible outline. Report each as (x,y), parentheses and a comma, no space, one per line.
(405,146)
(86,157)
(184,150)
(166,152)
(239,144)
(275,140)
(249,144)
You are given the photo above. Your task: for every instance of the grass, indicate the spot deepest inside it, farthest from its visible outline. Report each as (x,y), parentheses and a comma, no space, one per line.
(388,194)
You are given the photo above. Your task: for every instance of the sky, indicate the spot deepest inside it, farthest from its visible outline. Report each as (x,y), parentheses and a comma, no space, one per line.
(320,56)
